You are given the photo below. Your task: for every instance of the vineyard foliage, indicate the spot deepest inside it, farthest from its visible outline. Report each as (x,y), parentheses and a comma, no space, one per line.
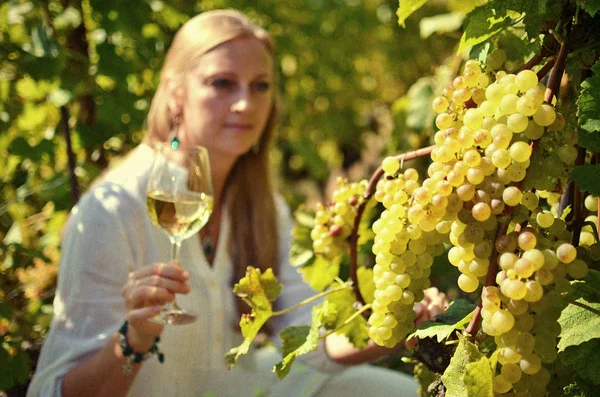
(90,67)
(76,79)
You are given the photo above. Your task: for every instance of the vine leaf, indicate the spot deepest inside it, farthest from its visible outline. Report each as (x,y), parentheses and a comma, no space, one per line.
(495,16)
(590,6)
(301,250)
(366,285)
(588,288)
(588,178)
(321,273)
(303,339)
(357,330)
(479,377)
(407,7)
(259,290)
(584,360)
(454,376)
(588,111)
(578,325)
(457,317)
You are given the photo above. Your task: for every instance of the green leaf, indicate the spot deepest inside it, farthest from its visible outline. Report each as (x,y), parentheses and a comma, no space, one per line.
(407,7)
(588,178)
(457,317)
(301,250)
(588,288)
(588,103)
(259,291)
(6,310)
(343,306)
(257,288)
(442,23)
(14,369)
(590,6)
(578,324)
(321,272)
(589,140)
(481,51)
(584,360)
(479,377)
(419,112)
(453,377)
(481,26)
(303,340)
(366,285)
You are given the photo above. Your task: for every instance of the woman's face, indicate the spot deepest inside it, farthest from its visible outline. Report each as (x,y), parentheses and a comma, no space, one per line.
(226,99)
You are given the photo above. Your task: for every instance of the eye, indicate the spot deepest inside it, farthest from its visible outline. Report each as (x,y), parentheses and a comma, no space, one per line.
(262,86)
(222,83)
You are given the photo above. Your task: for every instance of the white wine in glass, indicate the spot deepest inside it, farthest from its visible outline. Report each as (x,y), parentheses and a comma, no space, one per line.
(179,198)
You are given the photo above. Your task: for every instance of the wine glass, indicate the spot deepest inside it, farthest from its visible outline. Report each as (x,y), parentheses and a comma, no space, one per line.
(179,197)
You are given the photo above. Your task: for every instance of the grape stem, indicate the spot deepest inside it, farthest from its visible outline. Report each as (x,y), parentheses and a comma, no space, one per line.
(313,298)
(353,239)
(578,215)
(552,89)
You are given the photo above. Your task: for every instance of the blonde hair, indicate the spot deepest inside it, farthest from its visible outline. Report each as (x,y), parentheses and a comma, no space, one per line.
(249,187)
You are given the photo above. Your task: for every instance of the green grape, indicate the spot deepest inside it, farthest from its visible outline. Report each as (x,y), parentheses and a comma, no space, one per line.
(508,104)
(391,165)
(591,203)
(520,151)
(467,283)
(530,364)
(527,106)
(512,196)
(577,269)
(501,385)
(566,253)
(440,104)
(503,321)
(526,79)
(511,373)
(544,115)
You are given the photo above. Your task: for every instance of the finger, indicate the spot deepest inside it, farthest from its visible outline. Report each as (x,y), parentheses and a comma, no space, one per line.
(411,343)
(435,309)
(139,319)
(146,295)
(171,285)
(170,270)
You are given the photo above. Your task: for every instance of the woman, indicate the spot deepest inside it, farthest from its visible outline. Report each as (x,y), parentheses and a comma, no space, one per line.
(216,90)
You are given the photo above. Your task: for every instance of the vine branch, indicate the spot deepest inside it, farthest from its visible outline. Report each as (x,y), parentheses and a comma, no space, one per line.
(64,115)
(361,209)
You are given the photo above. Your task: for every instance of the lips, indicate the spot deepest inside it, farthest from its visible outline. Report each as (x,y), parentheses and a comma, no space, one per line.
(239,126)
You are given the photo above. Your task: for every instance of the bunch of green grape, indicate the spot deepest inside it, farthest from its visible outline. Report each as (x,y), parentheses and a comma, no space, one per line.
(334,221)
(404,252)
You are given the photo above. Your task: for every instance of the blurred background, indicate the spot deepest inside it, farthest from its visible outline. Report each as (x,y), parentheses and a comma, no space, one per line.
(77,78)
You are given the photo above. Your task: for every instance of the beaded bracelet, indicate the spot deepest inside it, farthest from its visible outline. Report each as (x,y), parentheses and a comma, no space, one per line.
(133,357)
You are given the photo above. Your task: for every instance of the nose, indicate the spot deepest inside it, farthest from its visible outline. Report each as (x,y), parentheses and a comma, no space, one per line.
(242,101)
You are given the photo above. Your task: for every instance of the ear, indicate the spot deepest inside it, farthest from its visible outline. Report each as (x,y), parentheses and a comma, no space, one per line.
(176,97)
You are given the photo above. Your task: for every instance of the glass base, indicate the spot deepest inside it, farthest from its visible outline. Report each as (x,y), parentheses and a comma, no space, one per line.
(175,317)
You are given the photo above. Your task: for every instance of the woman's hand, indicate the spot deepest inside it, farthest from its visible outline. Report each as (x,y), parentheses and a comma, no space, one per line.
(146,290)
(433,303)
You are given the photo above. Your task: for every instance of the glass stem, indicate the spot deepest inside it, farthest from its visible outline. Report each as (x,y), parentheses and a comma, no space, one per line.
(176,247)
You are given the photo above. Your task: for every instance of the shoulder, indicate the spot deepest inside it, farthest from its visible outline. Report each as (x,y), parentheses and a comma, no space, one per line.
(120,194)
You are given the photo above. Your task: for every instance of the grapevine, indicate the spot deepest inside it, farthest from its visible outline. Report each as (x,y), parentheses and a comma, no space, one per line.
(498,200)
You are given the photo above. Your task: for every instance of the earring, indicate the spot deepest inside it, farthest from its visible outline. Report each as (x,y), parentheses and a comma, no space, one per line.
(173,138)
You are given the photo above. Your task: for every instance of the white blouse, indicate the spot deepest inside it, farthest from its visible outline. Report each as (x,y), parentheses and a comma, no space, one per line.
(109,235)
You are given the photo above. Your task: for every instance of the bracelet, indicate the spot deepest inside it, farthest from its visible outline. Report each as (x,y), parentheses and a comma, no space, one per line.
(134,357)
